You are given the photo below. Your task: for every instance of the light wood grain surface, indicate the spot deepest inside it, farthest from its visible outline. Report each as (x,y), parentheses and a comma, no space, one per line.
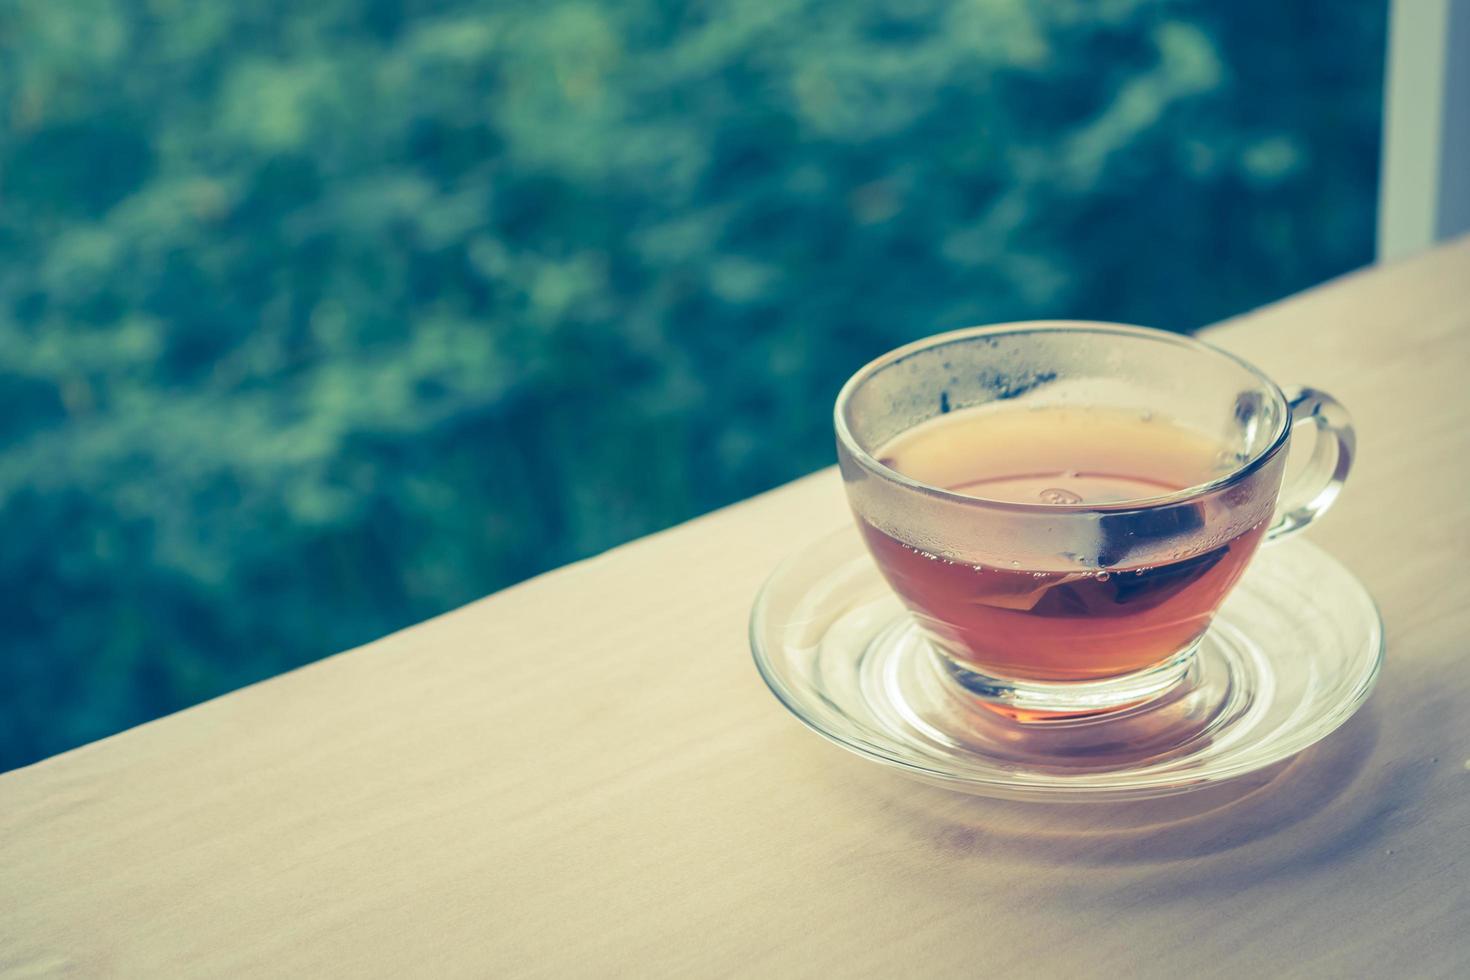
(583,775)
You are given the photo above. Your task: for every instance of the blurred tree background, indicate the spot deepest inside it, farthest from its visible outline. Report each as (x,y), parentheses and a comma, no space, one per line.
(317,319)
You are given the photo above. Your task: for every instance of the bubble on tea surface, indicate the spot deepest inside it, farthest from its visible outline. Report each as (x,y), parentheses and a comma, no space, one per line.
(1056,495)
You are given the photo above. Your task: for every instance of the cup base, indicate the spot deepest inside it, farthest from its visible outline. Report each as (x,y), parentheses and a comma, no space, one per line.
(1147,717)
(1041,702)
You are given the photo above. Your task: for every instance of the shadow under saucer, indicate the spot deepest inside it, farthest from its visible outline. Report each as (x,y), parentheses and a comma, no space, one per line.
(1323,792)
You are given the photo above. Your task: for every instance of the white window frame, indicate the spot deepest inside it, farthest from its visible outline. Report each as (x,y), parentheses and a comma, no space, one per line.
(1424,186)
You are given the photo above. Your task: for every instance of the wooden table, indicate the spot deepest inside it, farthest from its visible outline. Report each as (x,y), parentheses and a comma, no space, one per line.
(583,775)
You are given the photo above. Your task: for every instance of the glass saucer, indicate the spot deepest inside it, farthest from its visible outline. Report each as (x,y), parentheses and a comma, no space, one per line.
(1292,654)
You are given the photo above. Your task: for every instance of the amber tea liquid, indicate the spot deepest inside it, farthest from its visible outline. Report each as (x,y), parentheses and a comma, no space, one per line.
(1082,623)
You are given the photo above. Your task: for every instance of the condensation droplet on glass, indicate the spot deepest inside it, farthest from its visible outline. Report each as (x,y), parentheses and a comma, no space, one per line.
(1147,416)
(1103,576)
(1015,563)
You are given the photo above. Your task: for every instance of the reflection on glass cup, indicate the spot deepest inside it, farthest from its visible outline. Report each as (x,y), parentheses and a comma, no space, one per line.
(1063,506)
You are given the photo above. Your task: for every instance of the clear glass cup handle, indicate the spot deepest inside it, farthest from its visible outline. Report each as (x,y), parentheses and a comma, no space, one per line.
(1316,486)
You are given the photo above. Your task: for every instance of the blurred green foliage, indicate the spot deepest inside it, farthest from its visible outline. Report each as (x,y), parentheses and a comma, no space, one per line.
(317,319)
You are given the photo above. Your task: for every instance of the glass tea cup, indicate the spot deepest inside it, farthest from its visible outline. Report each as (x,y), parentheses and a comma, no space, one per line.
(1054,604)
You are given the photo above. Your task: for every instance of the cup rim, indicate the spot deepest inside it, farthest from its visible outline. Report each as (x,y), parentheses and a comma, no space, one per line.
(864,459)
